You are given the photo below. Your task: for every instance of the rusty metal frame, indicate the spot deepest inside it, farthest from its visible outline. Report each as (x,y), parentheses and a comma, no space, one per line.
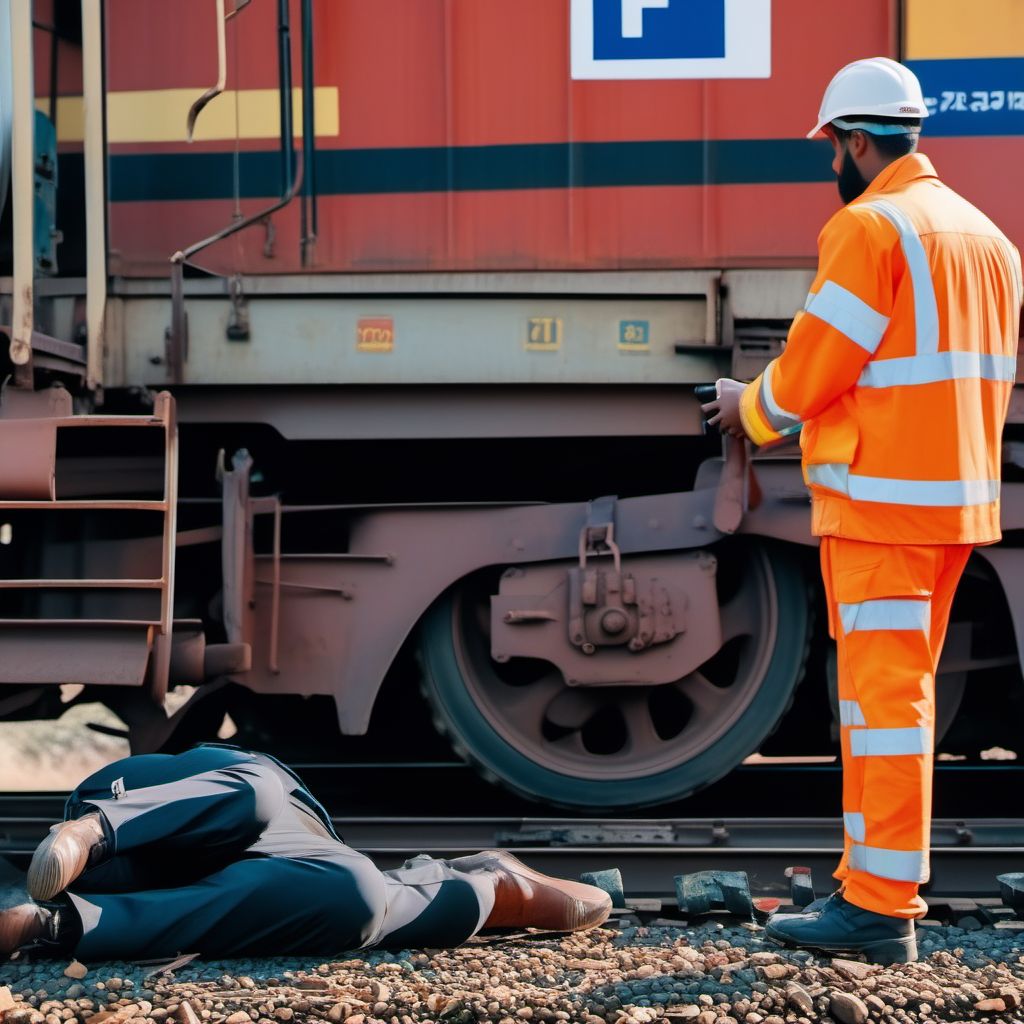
(28,459)
(339,620)
(158,634)
(538,613)
(272,506)
(400,560)
(164,409)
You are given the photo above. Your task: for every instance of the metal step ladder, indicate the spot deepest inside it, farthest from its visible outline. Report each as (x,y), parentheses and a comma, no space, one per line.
(87,649)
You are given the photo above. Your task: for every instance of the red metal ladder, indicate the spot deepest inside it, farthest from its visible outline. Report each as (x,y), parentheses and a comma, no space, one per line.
(118,651)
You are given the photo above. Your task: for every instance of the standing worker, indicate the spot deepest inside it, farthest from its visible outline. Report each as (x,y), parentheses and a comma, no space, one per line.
(899,370)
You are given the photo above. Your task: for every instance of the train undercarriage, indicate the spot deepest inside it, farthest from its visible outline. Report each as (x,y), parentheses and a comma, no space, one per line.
(447,581)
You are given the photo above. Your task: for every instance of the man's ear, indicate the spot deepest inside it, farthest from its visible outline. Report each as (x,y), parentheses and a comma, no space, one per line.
(858,144)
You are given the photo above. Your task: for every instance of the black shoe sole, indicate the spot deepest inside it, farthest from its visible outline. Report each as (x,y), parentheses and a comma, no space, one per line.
(884,952)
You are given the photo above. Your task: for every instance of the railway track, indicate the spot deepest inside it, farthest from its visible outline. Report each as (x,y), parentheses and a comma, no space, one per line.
(777,790)
(760,819)
(967,854)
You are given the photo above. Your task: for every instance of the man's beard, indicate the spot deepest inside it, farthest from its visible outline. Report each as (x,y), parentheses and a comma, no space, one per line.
(852,183)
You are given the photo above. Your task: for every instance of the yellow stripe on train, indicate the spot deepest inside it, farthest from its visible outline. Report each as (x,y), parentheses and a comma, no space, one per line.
(944,29)
(158,115)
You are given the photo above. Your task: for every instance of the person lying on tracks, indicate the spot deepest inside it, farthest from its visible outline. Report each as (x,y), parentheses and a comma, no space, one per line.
(224,852)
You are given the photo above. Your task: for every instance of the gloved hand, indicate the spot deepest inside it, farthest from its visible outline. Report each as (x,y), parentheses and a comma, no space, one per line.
(724,411)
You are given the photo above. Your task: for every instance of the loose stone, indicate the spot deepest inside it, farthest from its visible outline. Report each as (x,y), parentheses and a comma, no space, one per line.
(848,1008)
(990,1006)
(799,999)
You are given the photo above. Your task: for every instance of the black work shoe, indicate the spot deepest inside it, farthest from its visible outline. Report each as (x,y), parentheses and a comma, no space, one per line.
(840,927)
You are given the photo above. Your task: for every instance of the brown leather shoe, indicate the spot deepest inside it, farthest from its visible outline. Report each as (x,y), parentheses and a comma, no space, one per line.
(524,898)
(64,854)
(23,924)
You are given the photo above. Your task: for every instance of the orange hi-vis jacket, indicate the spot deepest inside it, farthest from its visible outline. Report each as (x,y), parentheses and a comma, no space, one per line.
(900,366)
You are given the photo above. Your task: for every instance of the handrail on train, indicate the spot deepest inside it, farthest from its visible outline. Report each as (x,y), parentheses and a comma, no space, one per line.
(292,172)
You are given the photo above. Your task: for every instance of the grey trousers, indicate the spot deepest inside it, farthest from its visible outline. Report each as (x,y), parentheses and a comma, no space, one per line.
(225,853)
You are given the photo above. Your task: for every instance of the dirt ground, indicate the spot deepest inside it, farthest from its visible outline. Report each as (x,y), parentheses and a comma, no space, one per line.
(57,755)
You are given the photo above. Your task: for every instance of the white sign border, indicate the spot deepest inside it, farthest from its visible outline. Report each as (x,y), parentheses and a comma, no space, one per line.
(748,48)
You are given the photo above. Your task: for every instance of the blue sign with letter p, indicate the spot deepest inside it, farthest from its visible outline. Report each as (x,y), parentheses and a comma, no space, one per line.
(671,38)
(667,29)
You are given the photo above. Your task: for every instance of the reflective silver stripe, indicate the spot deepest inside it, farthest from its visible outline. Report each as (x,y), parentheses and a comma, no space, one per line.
(926,312)
(781,420)
(886,613)
(853,822)
(899,865)
(849,315)
(850,713)
(890,742)
(809,300)
(888,373)
(834,476)
(933,493)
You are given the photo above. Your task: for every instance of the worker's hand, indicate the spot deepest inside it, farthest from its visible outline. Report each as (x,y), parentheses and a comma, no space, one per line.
(724,411)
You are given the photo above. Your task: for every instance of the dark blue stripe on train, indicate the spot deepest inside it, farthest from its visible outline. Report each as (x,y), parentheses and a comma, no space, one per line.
(181,176)
(982,96)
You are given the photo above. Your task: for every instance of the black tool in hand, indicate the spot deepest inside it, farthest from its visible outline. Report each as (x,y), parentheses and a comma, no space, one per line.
(706,393)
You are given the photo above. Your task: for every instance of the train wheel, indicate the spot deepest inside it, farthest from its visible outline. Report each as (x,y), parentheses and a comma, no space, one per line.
(607,747)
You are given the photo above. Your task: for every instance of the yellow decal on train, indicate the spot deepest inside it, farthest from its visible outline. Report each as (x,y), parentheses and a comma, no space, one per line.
(375,334)
(955,29)
(159,115)
(544,333)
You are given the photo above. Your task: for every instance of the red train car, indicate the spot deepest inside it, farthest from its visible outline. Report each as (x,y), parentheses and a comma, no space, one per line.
(453,135)
(443,272)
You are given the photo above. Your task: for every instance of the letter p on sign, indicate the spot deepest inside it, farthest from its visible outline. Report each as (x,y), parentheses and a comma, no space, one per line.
(671,38)
(633,16)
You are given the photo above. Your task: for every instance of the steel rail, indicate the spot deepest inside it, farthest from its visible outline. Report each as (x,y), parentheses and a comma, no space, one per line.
(966,856)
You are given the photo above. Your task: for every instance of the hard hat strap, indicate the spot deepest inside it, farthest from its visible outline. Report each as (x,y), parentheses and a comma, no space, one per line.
(875,129)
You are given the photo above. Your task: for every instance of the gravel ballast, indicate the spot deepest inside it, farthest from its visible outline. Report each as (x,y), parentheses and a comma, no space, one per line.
(707,973)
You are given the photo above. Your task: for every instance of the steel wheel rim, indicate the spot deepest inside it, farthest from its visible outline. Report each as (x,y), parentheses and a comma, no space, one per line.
(528,704)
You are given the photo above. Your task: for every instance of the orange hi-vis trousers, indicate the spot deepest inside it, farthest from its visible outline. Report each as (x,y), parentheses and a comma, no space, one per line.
(888,611)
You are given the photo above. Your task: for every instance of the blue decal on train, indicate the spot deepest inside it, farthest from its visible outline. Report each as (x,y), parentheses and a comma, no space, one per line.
(658,29)
(983,96)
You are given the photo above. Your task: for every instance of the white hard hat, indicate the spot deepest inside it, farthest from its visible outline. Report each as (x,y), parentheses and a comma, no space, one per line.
(875,86)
